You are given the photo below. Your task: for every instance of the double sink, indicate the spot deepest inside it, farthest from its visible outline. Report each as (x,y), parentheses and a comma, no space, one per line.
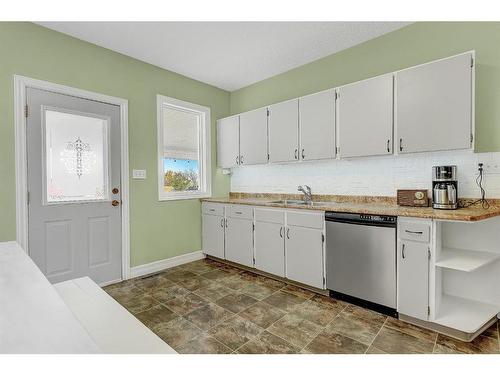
(302,203)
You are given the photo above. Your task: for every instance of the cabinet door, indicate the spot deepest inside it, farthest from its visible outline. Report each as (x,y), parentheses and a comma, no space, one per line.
(434,106)
(284,131)
(270,248)
(413,279)
(239,241)
(365,117)
(317,126)
(253,137)
(304,255)
(228,142)
(213,235)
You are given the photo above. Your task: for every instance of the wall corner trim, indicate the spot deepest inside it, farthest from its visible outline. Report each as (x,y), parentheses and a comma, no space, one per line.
(160,265)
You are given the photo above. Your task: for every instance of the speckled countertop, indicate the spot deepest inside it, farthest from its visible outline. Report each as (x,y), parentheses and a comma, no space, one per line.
(365,205)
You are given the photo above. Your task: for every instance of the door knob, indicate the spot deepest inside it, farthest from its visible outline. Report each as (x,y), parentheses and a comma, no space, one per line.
(115,203)
(115,191)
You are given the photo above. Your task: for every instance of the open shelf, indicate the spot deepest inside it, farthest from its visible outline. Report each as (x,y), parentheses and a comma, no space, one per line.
(465,260)
(464,314)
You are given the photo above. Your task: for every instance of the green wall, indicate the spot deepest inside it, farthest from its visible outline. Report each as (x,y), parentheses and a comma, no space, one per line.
(411,45)
(158,229)
(165,229)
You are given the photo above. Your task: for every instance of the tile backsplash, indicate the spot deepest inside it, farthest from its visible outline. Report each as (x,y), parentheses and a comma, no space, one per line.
(380,176)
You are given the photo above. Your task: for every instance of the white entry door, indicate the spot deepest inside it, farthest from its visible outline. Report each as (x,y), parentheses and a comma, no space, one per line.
(74,220)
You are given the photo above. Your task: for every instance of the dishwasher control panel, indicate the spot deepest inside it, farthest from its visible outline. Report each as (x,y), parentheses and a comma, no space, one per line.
(385,219)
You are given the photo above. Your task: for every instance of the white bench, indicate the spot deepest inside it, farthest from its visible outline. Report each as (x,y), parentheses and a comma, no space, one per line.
(109,324)
(75,316)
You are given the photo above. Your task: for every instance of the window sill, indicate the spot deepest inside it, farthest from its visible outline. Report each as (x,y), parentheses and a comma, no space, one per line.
(184,197)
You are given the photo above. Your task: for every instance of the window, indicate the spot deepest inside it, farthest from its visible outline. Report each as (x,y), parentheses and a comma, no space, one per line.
(184,165)
(75,150)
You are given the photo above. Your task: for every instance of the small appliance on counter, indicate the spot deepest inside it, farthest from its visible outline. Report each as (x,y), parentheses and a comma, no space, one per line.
(412,198)
(445,187)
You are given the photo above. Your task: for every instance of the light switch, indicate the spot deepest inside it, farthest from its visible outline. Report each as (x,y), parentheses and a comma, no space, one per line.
(139,174)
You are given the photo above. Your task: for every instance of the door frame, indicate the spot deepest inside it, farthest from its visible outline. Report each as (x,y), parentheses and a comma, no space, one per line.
(21,84)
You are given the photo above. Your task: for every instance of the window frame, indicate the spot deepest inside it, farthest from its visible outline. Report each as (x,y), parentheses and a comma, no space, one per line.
(205,154)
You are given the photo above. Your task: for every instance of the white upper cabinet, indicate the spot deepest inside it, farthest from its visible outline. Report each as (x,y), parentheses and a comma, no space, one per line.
(434,106)
(365,117)
(317,126)
(228,142)
(253,137)
(284,131)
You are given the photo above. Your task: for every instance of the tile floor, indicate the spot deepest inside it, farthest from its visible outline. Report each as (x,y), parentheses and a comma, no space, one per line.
(210,307)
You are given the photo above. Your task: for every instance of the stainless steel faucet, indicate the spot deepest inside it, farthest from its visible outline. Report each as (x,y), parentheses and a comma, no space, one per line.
(307,193)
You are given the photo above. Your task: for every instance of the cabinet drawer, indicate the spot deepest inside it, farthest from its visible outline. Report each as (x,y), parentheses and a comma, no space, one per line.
(415,231)
(240,211)
(212,208)
(270,216)
(306,219)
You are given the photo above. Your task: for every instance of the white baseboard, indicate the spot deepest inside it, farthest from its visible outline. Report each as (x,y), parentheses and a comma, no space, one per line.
(160,265)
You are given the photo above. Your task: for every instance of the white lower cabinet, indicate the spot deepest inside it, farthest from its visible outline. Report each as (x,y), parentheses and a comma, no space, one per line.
(285,243)
(239,241)
(270,248)
(304,256)
(213,235)
(413,269)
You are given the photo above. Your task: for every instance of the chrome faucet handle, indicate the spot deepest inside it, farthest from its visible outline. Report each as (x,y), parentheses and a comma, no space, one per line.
(308,188)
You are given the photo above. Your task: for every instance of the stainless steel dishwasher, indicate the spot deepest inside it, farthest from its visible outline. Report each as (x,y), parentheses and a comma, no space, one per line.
(361,259)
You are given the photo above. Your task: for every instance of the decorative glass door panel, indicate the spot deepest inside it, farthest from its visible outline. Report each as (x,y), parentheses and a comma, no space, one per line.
(76,160)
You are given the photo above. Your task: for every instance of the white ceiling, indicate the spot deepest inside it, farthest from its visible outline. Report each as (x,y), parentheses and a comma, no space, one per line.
(228,55)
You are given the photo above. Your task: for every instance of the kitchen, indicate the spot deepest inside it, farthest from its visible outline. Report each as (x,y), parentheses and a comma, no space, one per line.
(339,195)
(431,260)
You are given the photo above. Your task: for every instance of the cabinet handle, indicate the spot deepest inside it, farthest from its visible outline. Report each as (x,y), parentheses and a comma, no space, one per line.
(238,212)
(403,251)
(222,222)
(413,232)
(296,152)
(388,149)
(288,233)
(303,156)
(241,159)
(226,222)
(281,232)
(400,144)
(237,160)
